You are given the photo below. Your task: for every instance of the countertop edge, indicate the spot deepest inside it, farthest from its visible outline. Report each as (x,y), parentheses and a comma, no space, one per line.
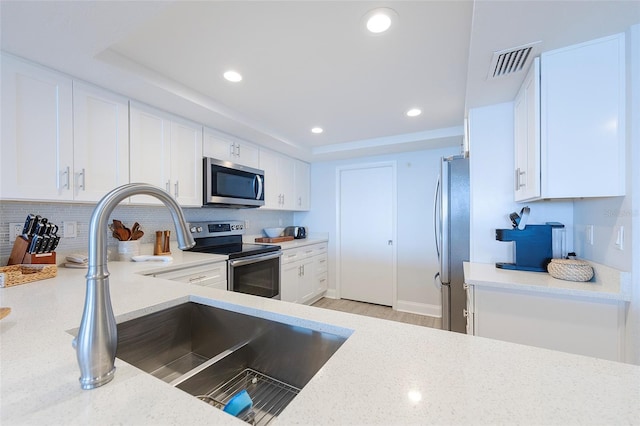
(608,284)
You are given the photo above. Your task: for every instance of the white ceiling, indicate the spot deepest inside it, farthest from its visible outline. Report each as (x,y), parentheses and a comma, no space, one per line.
(305,63)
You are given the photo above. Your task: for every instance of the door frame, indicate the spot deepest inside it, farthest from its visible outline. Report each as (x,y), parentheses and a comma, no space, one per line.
(394,224)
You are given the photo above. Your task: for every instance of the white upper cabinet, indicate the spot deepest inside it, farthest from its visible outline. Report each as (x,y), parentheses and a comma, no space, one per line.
(279,180)
(581,139)
(37,133)
(166,151)
(227,148)
(302,185)
(527,136)
(101,142)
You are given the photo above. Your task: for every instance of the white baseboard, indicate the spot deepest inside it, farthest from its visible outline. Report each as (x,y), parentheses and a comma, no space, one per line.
(331,293)
(403,306)
(419,308)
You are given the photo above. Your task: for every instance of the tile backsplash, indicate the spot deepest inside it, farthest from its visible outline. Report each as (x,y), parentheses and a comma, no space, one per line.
(151,219)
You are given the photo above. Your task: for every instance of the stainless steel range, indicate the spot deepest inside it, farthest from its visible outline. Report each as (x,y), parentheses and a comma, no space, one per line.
(251,268)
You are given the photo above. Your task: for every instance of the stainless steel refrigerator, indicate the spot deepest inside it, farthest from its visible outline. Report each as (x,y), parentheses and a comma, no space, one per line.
(451,229)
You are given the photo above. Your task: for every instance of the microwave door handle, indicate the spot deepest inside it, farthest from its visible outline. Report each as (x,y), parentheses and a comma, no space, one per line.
(260,187)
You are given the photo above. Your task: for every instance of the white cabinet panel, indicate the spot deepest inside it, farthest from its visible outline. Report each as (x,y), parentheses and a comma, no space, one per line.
(304,273)
(101,142)
(186,162)
(572,144)
(583,120)
(37,133)
(227,148)
(286,181)
(166,151)
(302,185)
(585,327)
(527,136)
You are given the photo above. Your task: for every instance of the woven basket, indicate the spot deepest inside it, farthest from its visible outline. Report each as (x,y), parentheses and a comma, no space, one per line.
(570,269)
(22,274)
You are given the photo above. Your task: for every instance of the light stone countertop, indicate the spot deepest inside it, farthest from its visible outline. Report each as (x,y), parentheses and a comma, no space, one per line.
(385,373)
(607,283)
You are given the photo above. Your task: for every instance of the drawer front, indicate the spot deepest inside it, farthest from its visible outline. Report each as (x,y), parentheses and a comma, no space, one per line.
(289,256)
(321,264)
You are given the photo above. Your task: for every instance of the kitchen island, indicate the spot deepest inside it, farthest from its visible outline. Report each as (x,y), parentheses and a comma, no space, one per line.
(385,373)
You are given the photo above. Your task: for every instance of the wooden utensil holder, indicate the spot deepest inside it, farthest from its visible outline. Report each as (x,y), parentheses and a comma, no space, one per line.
(20,256)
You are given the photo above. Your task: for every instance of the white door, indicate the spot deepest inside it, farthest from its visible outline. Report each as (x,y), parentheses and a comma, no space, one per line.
(367,233)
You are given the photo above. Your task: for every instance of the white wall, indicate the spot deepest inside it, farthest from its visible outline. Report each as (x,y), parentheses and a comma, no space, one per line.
(492,194)
(417,262)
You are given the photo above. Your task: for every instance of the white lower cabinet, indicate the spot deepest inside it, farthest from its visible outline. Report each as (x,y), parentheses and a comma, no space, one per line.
(213,275)
(304,273)
(571,324)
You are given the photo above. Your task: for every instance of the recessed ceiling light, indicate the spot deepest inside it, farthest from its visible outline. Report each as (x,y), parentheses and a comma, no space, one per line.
(317,130)
(414,112)
(233,76)
(380,20)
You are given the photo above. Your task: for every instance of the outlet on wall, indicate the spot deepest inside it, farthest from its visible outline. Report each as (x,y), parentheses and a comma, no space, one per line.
(15,229)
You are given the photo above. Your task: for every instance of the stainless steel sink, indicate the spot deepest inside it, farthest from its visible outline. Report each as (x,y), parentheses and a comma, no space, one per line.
(213,353)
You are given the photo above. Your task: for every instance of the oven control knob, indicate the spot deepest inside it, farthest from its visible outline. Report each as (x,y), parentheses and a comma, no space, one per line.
(195,229)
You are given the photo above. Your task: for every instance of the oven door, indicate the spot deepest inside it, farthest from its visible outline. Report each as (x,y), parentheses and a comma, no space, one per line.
(258,275)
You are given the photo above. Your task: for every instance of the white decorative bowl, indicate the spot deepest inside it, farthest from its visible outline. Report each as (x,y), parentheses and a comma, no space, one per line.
(273,232)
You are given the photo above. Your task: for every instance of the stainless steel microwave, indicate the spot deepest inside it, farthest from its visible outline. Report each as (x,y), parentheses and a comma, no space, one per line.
(226,184)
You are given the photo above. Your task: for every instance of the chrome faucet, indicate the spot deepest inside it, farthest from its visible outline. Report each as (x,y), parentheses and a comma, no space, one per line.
(97,339)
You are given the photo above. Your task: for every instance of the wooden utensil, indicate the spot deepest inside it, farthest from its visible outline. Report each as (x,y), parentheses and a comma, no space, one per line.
(4,312)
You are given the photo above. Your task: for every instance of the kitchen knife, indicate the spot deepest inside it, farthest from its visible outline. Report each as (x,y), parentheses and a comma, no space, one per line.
(43,241)
(28,224)
(56,240)
(32,245)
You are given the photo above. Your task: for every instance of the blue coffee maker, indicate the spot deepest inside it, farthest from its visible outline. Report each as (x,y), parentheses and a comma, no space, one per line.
(533,246)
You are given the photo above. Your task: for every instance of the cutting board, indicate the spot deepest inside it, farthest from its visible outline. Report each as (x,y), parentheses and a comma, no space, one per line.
(273,240)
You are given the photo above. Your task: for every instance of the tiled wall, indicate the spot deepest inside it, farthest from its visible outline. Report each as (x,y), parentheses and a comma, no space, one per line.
(151,219)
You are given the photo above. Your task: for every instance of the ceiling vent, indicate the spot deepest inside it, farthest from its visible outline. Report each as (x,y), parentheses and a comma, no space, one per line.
(511,61)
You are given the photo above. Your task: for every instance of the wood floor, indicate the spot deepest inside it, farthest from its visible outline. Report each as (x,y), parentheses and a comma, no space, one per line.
(377,311)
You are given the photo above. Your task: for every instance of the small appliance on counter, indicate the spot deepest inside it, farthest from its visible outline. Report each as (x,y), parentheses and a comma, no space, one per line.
(297,232)
(534,245)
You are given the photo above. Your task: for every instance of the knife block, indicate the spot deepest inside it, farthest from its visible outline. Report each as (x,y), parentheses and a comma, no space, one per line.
(20,256)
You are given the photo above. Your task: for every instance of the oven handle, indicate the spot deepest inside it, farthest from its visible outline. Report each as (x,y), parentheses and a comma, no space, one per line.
(253,259)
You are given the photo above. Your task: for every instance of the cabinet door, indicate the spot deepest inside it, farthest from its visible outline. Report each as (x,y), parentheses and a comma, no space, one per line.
(583,119)
(527,136)
(186,163)
(101,147)
(150,149)
(289,282)
(302,185)
(227,148)
(217,146)
(307,281)
(581,326)
(272,192)
(37,133)
(286,181)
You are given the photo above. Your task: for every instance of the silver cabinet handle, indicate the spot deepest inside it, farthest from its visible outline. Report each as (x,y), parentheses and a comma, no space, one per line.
(520,173)
(238,150)
(167,186)
(198,278)
(66,173)
(83,176)
(176,188)
(232,149)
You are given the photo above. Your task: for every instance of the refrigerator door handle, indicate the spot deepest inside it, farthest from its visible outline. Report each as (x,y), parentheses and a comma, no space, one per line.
(436,281)
(436,218)
(444,222)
